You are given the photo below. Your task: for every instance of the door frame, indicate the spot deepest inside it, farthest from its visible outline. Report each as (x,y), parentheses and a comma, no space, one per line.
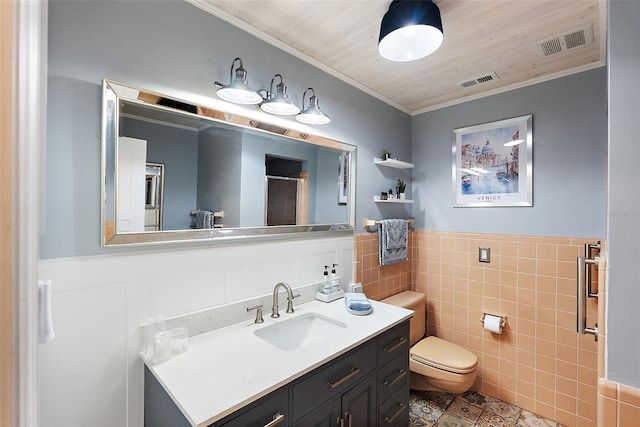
(28,111)
(7,293)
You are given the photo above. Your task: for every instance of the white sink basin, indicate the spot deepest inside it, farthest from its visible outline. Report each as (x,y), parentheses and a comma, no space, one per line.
(299,331)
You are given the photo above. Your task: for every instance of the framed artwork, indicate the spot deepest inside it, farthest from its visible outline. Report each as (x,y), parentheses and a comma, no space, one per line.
(343,179)
(492,164)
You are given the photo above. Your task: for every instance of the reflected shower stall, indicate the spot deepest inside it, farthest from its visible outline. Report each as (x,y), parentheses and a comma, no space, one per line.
(286,191)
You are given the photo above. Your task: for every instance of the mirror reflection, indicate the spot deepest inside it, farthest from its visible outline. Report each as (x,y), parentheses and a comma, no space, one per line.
(174,170)
(153,192)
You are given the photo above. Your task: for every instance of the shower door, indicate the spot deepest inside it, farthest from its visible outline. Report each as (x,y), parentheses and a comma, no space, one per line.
(281,206)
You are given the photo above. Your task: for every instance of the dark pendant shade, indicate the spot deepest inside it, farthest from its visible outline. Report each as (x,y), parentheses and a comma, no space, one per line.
(410,30)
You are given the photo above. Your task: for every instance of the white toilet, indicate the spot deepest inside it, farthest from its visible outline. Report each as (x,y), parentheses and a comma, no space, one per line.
(435,364)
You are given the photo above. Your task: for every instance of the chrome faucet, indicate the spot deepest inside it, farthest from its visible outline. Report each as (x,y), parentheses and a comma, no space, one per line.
(274,309)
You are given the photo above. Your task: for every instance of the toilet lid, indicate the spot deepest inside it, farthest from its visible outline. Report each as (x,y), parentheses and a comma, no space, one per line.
(444,355)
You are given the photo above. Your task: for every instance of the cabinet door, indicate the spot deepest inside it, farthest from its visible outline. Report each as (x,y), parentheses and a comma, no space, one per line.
(359,404)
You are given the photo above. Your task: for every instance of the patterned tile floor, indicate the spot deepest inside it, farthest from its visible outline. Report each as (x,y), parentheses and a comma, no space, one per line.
(469,409)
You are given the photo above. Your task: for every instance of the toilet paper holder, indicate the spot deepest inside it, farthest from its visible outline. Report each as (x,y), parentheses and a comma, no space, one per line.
(503,318)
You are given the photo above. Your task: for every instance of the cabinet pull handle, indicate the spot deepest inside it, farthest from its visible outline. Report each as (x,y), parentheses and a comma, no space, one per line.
(395,347)
(340,422)
(348,417)
(401,374)
(277,419)
(401,407)
(354,371)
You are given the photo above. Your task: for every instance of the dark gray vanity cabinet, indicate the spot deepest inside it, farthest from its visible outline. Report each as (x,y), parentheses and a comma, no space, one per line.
(393,377)
(365,387)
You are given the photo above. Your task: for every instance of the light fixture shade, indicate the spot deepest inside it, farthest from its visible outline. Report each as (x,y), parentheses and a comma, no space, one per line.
(410,30)
(312,115)
(238,90)
(279,102)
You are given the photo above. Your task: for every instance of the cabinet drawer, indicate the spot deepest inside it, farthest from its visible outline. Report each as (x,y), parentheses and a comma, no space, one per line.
(393,343)
(330,380)
(393,376)
(273,409)
(395,411)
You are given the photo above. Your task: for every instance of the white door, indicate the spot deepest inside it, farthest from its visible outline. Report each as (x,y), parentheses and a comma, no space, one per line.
(130,195)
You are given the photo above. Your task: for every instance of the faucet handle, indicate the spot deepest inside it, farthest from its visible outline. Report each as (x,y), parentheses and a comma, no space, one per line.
(290,303)
(290,306)
(258,309)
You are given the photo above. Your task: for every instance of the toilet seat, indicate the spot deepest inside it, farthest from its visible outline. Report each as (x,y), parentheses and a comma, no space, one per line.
(440,354)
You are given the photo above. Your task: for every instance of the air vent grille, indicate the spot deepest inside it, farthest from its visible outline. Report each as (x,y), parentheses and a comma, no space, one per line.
(575,39)
(566,41)
(551,47)
(484,78)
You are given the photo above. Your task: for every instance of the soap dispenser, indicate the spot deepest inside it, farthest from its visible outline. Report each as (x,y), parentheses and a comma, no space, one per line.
(330,290)
(326,283)
(335,279)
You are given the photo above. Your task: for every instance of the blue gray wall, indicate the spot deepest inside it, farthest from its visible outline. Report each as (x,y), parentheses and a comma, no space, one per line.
(327,210)
(254,150)
(569,160)
(92,40)
(623,289)
(219,174)
(177,149)
(173,46)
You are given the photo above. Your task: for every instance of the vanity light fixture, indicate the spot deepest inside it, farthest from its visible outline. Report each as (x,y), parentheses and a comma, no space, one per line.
(238,90)
(410,30)
(279,102)
(312,115)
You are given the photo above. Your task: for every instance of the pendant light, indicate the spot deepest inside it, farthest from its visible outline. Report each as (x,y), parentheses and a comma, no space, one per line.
(279,102)
(238,90)
(312,115)
(410,30)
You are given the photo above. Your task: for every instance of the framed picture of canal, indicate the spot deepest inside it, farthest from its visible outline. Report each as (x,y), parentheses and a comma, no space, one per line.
(492,164)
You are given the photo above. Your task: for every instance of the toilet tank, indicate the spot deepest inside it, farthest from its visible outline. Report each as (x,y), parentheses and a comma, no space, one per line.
(415,301)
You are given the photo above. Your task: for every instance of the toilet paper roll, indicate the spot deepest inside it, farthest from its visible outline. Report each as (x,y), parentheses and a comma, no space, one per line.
(492,323)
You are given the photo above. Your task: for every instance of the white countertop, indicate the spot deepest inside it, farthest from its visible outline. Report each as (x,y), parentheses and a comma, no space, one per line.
(228,368)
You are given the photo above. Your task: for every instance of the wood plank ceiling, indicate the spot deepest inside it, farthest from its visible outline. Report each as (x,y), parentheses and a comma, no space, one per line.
(480,37)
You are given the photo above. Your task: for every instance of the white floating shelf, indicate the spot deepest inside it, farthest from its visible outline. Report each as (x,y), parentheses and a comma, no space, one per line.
(393,163)
(377,199)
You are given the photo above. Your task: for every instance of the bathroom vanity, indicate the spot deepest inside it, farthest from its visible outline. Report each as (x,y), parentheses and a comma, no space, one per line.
(337,369)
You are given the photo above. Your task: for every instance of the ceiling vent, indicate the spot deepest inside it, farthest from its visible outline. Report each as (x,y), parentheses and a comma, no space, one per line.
(566,41)
(485,78)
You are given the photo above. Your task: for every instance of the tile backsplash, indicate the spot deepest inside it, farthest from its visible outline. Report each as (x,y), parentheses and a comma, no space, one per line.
(539,362)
